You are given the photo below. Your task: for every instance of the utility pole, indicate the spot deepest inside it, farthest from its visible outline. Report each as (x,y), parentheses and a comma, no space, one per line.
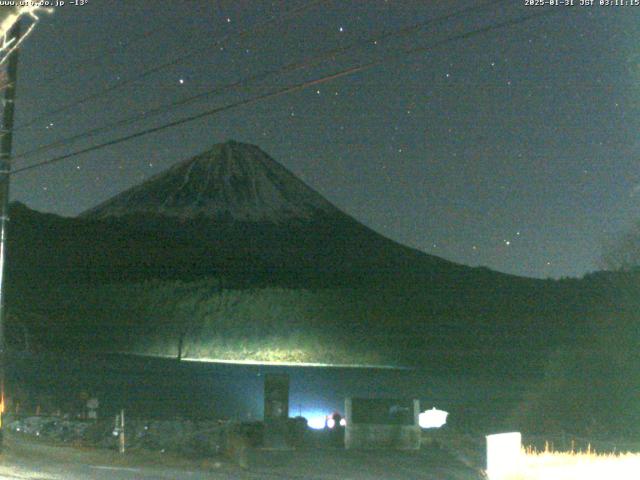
(5,173)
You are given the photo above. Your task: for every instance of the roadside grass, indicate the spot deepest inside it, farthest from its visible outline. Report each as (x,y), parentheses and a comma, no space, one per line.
(589,465)
(580,462)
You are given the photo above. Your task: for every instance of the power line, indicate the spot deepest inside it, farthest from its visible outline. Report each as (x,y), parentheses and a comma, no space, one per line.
(289,89)
(309,61)
(192,118)
(90,61)
(174,61)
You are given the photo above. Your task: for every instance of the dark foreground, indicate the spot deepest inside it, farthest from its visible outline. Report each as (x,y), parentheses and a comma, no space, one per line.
(25,458)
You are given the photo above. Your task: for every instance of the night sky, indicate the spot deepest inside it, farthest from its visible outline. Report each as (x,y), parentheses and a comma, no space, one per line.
(516,149)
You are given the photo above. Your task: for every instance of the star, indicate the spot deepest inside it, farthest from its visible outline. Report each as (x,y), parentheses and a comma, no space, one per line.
(181,81)
(341,29)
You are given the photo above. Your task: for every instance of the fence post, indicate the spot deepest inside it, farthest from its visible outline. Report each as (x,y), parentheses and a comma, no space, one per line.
(121,436)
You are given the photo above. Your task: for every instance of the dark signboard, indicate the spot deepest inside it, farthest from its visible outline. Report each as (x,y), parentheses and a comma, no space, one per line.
(276,396)
(382,411)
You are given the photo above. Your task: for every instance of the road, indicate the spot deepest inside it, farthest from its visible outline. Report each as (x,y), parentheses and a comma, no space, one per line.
(27,459)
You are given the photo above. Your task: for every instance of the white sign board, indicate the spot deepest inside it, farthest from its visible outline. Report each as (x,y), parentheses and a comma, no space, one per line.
(433,418)
(503,455)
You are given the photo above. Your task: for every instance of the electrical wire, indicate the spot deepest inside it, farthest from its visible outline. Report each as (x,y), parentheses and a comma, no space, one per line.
(346,72)
(310,61)
(174,61)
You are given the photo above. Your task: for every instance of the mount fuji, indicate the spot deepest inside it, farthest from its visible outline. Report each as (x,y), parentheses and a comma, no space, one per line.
(231,182)
(232,223)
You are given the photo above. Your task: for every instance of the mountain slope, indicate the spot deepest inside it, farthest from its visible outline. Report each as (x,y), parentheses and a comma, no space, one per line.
(235,209)
(233,218)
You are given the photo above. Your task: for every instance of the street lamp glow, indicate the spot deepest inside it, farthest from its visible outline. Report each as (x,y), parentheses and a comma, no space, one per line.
(317,423)
(9,16)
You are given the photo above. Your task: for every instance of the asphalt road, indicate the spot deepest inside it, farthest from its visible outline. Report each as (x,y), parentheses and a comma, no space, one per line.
(24,458)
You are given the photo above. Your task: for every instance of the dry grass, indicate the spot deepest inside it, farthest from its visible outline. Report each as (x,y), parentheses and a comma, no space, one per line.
(588,465)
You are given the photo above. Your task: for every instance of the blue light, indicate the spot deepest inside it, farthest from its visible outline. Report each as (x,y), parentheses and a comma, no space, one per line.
(317,423)
(316,419)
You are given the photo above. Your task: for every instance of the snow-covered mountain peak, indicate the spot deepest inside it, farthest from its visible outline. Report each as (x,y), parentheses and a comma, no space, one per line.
(232,181)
